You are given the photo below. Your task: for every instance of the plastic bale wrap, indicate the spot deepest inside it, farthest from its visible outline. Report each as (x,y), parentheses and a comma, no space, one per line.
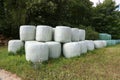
(104,43)
(114,42)
(36,51)
(104,36)
(44,33)
(54,49)
(75,34)
(71,49)
(29,42)
(82,34)
(15,45)
(90,45)
(62,34)
(117,41)
(83,47)
(111,42)
(27,32)
(98,44)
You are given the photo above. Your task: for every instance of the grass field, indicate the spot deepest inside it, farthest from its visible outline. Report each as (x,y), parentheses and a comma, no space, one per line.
(100,64)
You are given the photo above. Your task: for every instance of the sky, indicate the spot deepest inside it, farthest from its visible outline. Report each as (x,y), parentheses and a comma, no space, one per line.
(96,1)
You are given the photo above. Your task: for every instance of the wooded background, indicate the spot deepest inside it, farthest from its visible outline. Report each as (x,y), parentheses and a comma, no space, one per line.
(104,18)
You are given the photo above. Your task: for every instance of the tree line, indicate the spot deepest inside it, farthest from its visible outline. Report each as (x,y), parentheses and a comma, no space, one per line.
(104,18)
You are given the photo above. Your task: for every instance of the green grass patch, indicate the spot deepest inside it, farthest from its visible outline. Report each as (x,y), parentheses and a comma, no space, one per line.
(100,64)
(21,51)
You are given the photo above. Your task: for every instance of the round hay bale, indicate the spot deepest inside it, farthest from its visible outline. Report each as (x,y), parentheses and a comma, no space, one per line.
(44,33)
(104,36)
(27,32)
(54,49)
(113,42)
(98,44)
(83,46)
(75,34)
(117,41)
(71,49)
(109,43)
(29,42)
(15,45)
(62,34)
(90,45)
(36,51)
(104,43)
(82,34)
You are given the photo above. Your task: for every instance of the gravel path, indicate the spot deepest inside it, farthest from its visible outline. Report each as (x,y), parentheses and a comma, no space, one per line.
(5,75)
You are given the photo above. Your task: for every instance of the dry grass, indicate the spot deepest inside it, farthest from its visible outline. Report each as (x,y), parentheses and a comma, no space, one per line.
(101,64)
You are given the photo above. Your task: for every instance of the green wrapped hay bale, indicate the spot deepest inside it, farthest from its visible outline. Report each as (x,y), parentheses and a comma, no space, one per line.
(118,41)
(104,36)
(111,42)
(109,37)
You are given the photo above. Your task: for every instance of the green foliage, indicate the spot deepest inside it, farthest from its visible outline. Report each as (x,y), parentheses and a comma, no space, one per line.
(41,13)
(15,16)
(21,51)
(62,12)
(46,12)
(91,34)
(2,11)
(106,19)
(11,53)
(2,16)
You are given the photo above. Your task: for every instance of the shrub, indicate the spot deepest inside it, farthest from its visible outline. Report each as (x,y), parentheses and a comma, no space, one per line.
(91,34)
(21,51)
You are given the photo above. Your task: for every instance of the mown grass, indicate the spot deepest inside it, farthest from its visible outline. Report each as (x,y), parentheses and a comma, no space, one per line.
(100,64)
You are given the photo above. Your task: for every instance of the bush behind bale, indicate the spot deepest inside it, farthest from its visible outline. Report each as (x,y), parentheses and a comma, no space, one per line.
(91,34)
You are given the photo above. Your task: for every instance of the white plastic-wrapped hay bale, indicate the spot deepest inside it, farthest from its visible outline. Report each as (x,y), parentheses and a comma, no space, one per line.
(54,49)
(83,46)
(15,45)
(71,49)
(98,44)
(82,34)
(27,32)
(62,34)
(29,42)
(104,43)
(75,34)
(90,45)
(36,51)
(44,33)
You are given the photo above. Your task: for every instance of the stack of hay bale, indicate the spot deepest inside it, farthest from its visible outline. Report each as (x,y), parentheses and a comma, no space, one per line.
(105,36)
(108,39)
(43,42)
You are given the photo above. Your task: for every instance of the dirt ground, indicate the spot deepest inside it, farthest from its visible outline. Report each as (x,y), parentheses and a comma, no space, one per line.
(5,75)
